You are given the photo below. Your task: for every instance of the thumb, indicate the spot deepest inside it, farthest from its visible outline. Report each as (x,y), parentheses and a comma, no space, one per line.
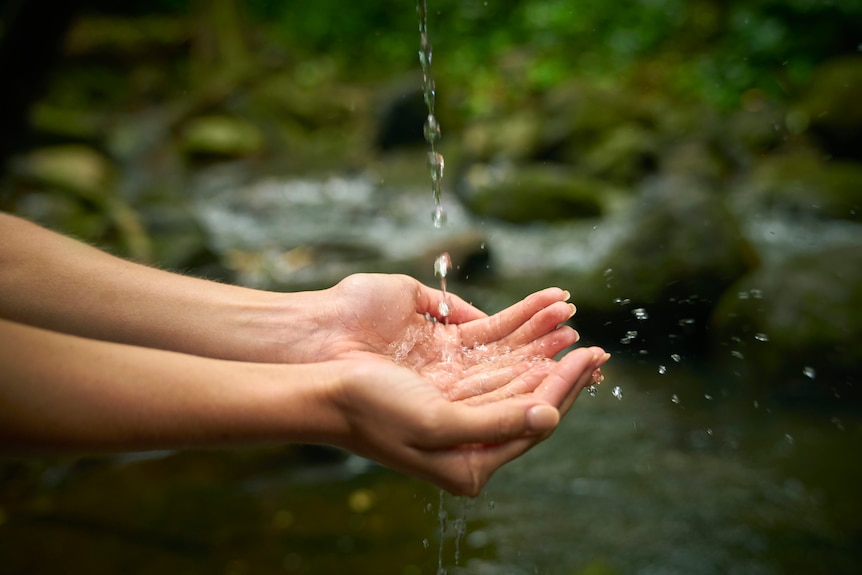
(498,422)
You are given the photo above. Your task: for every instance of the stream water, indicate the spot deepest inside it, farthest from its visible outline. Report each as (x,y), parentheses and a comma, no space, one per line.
(687,474)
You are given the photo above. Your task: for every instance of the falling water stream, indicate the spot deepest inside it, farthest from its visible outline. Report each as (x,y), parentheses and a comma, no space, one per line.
(443,263)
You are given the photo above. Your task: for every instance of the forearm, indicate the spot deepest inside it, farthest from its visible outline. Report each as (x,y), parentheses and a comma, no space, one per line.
(57,283)
(61,392)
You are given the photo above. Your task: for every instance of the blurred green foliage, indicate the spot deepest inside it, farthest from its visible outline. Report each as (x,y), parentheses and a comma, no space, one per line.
(710,49)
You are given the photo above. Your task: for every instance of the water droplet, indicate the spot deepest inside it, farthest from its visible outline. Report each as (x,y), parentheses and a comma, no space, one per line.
(592,390)
(436,163)
(737,354)
(618,392)
(676,357)
(640,313)
(675,399)
(491,505)
(707,397)
(789,438)
(761,337)
(442,265)
(622,301)
(432,130)
(837,423)
(662,370)
(425,543)
(757,294)
(809,372)
(439,217)
(443,308)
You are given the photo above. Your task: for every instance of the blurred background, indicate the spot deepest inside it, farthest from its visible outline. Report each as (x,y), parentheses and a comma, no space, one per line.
(690,171)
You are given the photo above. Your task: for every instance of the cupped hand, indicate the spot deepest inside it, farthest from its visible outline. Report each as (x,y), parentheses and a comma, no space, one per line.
(401,419)
(468,355)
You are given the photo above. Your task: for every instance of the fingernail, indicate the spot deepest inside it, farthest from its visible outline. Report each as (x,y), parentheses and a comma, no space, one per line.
(572,309)
(604,359)
(566,295)
(542,418)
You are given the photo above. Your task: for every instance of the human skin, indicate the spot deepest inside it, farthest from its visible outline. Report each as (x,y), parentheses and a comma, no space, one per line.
(102,354)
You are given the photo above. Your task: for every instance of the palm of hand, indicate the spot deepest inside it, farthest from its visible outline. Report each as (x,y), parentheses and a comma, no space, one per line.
(472,357)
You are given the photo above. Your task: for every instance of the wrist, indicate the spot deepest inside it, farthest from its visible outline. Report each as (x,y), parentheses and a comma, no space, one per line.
(274,327)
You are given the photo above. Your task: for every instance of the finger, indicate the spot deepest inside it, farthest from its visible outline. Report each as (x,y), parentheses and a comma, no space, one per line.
(569,372)
(530,374)
(586,379)
(488,424)
(502,324)
(545,346)
(542,322)
(460,311)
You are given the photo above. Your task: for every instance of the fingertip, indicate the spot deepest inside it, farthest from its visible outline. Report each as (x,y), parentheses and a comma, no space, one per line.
(542,418)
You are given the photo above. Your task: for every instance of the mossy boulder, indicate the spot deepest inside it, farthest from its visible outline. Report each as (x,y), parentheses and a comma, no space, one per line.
(532,192)
(578,116)
(678,249)
(802,183)
(798,323)
(832,107)
(221,137)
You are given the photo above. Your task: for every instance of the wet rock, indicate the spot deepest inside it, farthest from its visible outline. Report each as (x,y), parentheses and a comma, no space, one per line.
(513,137)
(579,116)
(678,250)
(76,169)
(220,137)
(832,107)
(528,193)
(625,154)
(802,183)
(798,323)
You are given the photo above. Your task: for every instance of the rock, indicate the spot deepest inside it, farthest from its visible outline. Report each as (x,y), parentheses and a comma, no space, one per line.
(221,137)
(578,116)
(802,183)
(678,250)
(625,154)
(513,137)
(533,192)
(77,169)
(832,107)
(798,323)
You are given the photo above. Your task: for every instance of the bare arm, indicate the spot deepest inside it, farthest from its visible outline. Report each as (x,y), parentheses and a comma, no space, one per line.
(51,281)
(65,393)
